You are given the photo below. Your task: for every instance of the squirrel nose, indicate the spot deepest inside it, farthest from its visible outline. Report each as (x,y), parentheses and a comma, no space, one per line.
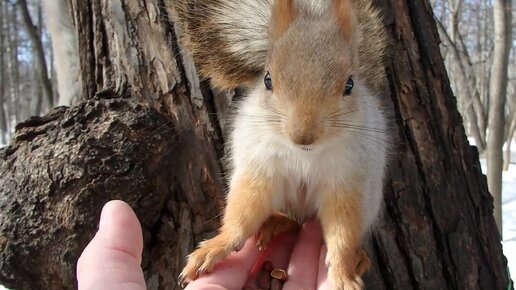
(302,139)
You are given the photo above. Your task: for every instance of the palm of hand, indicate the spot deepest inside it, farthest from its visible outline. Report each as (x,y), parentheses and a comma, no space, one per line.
(112,259)
(303,255)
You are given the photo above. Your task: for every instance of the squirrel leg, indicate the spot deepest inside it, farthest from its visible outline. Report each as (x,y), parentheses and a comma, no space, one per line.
(248,206)
(341,219)
(364,263)
(277,223)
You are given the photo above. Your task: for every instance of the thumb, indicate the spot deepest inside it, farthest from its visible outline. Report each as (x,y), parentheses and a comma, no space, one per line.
(112,258)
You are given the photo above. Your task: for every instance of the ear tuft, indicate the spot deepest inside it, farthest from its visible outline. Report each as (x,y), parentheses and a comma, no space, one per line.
(345,18)
(284,13)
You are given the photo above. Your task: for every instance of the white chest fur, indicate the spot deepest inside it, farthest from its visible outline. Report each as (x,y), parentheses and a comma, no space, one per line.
(300,177)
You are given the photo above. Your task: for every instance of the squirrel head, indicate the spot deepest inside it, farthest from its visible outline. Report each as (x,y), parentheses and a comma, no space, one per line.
(311,75)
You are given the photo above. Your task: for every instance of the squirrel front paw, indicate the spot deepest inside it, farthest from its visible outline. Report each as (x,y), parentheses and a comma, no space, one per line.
(345,273)
(204,258)
(363,263)
(344,281)
(277,223)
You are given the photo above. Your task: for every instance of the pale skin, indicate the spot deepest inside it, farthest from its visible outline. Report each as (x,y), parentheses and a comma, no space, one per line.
(112,259)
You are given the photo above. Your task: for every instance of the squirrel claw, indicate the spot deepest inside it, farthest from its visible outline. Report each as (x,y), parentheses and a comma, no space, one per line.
(183,280)
(204,258)
(355,283)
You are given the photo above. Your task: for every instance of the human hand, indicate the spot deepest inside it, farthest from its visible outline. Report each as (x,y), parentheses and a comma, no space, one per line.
(302,255)
(112,259)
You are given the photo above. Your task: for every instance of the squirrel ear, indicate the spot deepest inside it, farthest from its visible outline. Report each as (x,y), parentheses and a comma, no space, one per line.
(345,17)
(284,13)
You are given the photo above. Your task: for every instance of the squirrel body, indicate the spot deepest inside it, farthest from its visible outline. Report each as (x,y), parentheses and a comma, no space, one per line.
(358,164)
(311,136)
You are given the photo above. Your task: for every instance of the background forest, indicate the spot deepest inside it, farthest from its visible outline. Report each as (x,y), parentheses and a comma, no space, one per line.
(27,78)
(28,84)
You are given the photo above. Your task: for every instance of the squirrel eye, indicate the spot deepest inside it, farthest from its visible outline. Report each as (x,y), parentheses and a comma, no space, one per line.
(267,80)
(349,86)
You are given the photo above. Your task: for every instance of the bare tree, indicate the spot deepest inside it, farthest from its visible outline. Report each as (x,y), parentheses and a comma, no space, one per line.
(25,60)
(475,61)
(38,88)
(35,37)
(13,65)
(65,47)
(3,114)
(465,85)
(508,142)
(502,46)
(462,70)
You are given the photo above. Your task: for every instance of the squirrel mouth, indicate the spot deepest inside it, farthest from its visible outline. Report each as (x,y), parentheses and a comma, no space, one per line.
(306,148)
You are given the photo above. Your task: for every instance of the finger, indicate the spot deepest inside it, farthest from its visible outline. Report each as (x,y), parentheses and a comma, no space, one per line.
(277,252)
(323,283)
(112,258)
(302,269)
(232,272)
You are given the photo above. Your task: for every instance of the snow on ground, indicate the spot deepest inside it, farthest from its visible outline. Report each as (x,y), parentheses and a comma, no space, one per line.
(508,214)
(509,217)
(508,210)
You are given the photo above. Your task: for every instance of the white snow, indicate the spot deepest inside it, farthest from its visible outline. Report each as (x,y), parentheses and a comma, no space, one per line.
(509,217)
(508,210)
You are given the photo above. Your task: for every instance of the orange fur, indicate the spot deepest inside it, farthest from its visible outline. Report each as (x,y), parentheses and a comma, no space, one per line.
(345,18)
(304,129)
(217,59)
(274,225)
(309,67)
(248,206)
(283,14)
(343,239)
(364,263)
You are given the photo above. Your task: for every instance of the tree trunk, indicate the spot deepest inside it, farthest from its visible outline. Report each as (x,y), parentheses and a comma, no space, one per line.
(498,93)
(4,129)
(508,143)
(159,147)
(466,88)
(35,38)
(38,107)
(65,49)
(12,59)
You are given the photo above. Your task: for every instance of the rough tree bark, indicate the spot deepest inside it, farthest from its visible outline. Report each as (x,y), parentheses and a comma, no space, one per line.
(158,145)
(466,88)
(462,66)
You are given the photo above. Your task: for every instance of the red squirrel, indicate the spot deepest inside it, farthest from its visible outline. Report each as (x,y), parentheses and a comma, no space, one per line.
(311,136)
